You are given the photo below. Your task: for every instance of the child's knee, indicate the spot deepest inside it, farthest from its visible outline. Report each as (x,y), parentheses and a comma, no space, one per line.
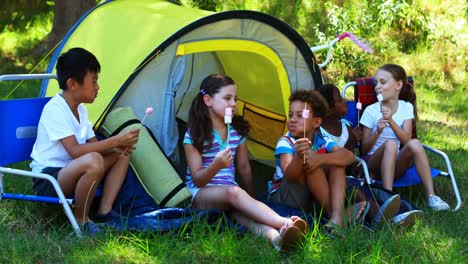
(391,146)
(95,163)
(234,193)
(415,145)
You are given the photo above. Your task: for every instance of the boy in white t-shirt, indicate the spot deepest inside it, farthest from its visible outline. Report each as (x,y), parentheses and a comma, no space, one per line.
(67,148)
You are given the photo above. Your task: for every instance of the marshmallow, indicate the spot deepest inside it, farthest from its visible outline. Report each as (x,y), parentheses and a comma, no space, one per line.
(228,116)
(149,110)
(359,106)
(380,97)
(305,113)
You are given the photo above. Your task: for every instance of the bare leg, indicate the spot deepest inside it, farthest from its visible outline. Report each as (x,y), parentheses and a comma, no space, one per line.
(80,178)
(413,150)
(268,232)
(318,186)
(232,197)
(337,194)
(116,167)
(385,159)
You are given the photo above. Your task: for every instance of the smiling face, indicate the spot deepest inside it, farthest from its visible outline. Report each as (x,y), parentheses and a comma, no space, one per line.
(296,121)
(387,85)
(225,98)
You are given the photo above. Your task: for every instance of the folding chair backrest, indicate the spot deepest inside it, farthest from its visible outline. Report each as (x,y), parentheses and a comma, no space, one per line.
(364,92)
(18,128)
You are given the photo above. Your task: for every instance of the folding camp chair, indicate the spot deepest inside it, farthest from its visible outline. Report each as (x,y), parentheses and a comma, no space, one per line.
(364,92)
(18,121)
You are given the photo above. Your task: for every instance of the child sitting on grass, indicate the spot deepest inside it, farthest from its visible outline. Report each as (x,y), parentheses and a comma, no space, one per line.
(215,151)
(67,149)
(311,168)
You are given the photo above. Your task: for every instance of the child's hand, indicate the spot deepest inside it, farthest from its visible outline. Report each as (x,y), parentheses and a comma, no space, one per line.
(224,158)
(128,138)
(386,113)
(312,160)
(381,125)
(126,151)
(302,145)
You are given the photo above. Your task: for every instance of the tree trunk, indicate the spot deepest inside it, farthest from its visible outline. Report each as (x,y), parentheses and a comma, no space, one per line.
(66,13)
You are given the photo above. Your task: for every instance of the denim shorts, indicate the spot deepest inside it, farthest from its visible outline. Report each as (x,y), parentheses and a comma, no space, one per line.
(45,187)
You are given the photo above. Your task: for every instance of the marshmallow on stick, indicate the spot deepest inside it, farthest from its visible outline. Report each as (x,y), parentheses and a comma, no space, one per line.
(228,121)
(305,115)
(149,111)
(359,108)
(228,116)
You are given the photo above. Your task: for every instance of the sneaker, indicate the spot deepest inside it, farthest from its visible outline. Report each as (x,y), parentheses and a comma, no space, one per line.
(91,229)
(388,209)
(103,218)
(437,204)
(407,219)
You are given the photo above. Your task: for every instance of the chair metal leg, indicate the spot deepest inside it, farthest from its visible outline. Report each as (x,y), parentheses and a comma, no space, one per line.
(450,173)
(63,201)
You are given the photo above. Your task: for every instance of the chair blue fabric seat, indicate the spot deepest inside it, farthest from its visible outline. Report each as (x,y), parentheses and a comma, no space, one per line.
(411,178)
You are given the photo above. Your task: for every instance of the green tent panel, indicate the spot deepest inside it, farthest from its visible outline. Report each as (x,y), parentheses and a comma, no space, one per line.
(155,53)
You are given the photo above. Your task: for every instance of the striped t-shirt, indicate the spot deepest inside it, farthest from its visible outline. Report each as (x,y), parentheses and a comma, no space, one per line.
(225,176)
(286,146)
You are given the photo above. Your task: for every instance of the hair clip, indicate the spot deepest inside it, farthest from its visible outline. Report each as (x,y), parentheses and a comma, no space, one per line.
(202,92)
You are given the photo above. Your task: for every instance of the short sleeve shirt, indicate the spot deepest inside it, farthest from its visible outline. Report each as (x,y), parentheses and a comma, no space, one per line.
(57,122)
(372,115)
(225,176)
(286,145)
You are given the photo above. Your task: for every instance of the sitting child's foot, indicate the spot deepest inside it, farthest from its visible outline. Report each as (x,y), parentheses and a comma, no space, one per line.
(299,223)
(388,209)
(288,239)
(407,219)
(437,204)
(333,230)
(103,218)
(91,229)
(358,212)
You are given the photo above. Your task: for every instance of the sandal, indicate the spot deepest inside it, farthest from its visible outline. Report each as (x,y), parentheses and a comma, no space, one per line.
(288,239)
(359,212)
(297,222)
(333,230)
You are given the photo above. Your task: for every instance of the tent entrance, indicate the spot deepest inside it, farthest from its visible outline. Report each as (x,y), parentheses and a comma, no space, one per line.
(263,86)
(241,45)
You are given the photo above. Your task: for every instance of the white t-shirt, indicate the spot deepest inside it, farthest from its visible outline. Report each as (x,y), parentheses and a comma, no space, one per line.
(372,114)
(57,122)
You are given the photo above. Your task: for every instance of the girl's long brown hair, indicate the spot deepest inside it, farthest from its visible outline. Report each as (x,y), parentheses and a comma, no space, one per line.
(200,125)
(407,92)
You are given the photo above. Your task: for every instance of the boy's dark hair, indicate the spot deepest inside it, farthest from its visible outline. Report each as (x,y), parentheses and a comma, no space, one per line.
(75,63)
(201,128)
(326,91)
(314,99)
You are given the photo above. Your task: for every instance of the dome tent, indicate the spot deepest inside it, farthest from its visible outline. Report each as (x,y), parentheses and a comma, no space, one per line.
(155,53)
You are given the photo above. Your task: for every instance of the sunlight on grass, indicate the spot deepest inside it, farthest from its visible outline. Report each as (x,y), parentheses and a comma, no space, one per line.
(39,28)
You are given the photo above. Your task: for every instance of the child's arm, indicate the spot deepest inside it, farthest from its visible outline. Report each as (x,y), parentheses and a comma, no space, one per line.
(337,157)
(202,176)
(243,167)
(292,166)
(403,134)
(369,139)
(355,135)
(123,140)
